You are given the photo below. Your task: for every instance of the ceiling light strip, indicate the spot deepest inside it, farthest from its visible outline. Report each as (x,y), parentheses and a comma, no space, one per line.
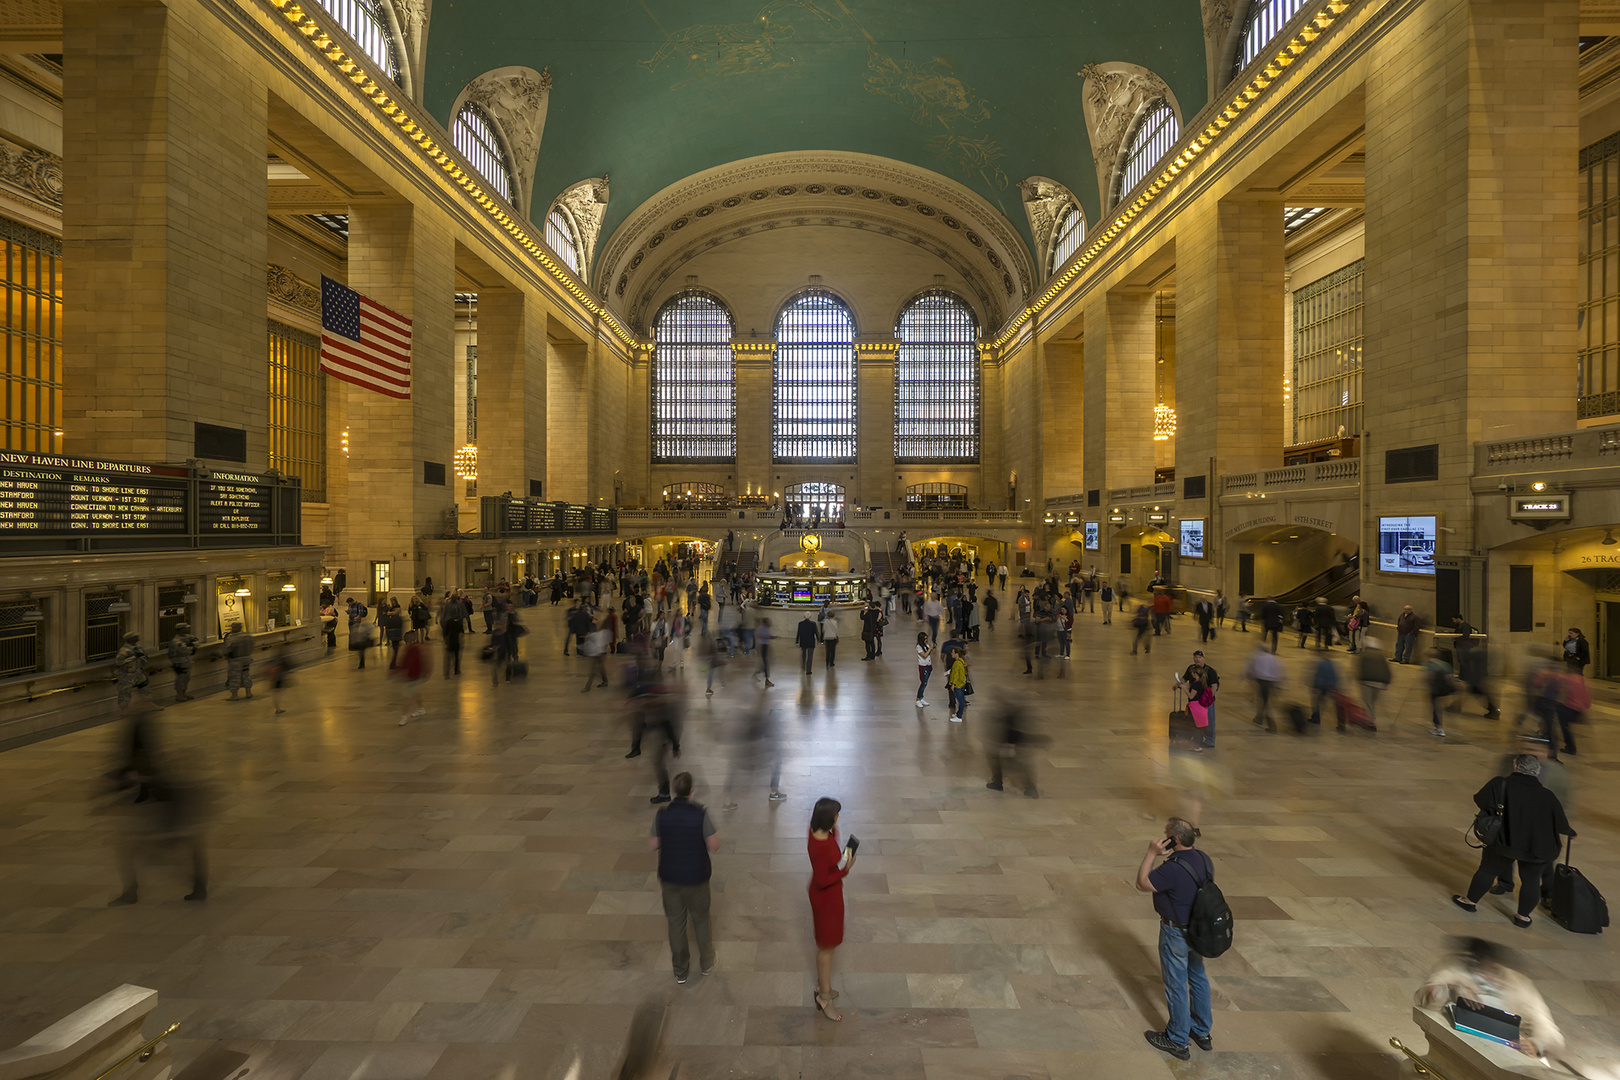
(1290,52)
(392,109)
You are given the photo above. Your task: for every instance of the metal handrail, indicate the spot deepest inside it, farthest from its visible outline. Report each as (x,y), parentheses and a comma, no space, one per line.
(145,1051)
(1422,1065)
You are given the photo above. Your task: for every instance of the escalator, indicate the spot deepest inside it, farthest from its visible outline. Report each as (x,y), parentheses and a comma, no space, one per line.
(1337,583)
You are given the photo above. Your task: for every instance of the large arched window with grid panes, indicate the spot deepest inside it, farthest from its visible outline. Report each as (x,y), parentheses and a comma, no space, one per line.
(694,382)
(561,239)
(1154,136)
(367,23)
(813,416)
(936,380)
(474,135)
(1067,236)
(1266,20)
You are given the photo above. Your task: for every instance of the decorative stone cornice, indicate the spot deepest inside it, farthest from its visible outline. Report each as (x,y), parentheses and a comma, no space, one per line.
(516,98)
(35,173)
(1113,95)
(289,289)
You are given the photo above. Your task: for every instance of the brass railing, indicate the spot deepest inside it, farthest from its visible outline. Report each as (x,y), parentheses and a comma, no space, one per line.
(143,1052)
(1420,1064)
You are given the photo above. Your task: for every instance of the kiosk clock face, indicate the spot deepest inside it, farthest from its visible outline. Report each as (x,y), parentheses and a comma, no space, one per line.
(810,543)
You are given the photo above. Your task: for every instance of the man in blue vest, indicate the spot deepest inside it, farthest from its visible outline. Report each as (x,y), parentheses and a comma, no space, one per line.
(684,836)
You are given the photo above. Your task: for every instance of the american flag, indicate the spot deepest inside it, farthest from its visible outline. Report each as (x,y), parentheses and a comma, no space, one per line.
(363,342)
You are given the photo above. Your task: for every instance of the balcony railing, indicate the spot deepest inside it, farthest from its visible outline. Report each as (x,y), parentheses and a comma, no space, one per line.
(1343,472)
(1584,449)
(1165,492)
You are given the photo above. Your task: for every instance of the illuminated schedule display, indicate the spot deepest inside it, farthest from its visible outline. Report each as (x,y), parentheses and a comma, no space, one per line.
(54,503)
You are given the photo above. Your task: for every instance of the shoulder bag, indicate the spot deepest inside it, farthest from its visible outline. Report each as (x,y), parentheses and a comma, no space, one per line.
(1487,827)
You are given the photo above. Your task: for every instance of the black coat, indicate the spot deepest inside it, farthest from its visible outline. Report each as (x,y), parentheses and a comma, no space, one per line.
(1533,820)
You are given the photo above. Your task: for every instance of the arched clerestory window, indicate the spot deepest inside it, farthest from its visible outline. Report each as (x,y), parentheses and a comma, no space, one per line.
(814,389)
(473,133)
(694,381)
(1154,136)
(365,22)
(1265,21)
(1067,236)
(936,380)
(560,237)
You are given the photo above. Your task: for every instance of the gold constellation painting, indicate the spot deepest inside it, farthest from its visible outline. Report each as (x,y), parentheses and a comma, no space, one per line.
(720,50)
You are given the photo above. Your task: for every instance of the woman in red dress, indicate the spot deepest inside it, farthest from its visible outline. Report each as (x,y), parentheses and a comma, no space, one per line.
(828,867)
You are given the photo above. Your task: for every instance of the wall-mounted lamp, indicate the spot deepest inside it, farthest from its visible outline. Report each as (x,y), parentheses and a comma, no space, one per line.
(244,592)
(118,607)
(289,587)
(1539,485)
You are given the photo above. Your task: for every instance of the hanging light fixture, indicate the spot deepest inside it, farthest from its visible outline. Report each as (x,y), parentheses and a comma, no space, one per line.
(1164,417)
(467,462)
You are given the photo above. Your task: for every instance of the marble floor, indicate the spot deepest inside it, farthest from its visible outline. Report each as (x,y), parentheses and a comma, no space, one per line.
(472,896)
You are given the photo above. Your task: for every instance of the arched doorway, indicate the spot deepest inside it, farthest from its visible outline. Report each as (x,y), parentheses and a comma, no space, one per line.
(804,500)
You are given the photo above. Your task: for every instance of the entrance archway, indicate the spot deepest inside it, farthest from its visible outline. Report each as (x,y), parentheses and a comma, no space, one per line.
(814,500)
(1293,563)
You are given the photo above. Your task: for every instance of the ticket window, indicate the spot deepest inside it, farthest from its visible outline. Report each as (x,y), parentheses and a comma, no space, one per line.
(281,605)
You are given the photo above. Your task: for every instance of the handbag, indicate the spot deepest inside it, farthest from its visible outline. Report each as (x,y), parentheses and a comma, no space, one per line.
(1487,827)
(967,688)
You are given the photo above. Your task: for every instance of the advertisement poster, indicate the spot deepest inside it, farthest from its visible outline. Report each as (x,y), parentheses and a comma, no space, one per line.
(232,609)
(1192,538)
(1406,544)
(1092,541)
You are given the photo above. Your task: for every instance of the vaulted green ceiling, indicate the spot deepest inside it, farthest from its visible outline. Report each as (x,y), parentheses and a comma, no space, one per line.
(986,92)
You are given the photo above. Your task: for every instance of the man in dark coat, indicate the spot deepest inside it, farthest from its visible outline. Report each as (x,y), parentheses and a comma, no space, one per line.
(1532,823)
(805,638)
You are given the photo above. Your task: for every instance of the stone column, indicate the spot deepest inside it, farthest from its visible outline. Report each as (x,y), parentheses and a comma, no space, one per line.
(511,393)
(164,235)
(874,440)
(1471,287)
(754,376)
(404,260)
(1229,336)
(567,429)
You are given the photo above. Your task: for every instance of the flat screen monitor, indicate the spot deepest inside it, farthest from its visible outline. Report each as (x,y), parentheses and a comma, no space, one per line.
(1192,538)
(1092,541)
(1406,544)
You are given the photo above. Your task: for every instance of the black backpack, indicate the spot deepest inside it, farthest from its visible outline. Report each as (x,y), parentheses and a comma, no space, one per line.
(1209,926)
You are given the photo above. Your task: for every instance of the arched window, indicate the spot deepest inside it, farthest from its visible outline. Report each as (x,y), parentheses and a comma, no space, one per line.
(364,21)
(1067,237)
(1266,20)
(1154,136)
(694,382)
(560,238)
(813,416)
(803,500)
(474,135)
(936,380)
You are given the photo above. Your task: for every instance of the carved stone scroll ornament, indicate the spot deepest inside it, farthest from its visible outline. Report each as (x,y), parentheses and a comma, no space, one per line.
(516,98)
(412,18)
(585,203)
(288,288)
(1044,201)
(1218,16)
(1113,93)
(34,172)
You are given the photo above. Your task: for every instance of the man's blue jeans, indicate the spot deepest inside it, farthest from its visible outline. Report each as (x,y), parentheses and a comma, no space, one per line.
(1403,647)
(1183,969)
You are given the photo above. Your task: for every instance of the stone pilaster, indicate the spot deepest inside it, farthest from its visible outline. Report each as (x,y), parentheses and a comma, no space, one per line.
(567,430)
(164,235)
(404,260)
(511,393)
(1471,122)
(1118,403)
(1061,419)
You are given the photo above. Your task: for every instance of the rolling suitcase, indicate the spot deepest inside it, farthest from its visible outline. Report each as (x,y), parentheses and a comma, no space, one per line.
(518,669)
(1350,712)
(1576,904)
(1184,734)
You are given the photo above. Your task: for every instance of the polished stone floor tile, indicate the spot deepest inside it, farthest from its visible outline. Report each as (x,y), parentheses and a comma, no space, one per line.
(471,896)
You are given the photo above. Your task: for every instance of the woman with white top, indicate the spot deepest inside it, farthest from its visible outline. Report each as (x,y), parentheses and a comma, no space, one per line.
(925,667)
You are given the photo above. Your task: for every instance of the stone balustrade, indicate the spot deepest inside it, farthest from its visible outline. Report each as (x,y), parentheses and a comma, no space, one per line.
(1584,449)
(1340,472)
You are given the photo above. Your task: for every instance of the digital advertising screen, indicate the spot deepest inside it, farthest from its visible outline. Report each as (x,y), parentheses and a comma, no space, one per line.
(1406,544)
(1093,542)
(1192,538)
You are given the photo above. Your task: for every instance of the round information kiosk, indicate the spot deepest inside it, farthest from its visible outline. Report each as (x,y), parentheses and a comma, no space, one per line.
(805,580)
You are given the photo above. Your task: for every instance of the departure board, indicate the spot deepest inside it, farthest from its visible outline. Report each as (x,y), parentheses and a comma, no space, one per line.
(43,495)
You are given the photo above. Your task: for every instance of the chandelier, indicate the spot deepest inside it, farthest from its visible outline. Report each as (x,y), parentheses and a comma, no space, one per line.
(1164,422)
(467,462)
(1164,417)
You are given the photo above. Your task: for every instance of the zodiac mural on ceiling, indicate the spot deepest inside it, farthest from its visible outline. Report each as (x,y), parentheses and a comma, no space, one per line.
(719,50)
(937,96)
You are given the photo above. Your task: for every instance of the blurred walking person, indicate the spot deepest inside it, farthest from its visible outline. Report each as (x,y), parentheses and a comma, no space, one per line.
(1372,672)
(1010,745)
(411,670)
(182,650)
(595,652)
(129,666)
(757,746)
(1266,669)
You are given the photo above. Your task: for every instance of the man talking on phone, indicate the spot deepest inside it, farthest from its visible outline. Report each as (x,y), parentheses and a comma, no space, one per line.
(1173,885)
